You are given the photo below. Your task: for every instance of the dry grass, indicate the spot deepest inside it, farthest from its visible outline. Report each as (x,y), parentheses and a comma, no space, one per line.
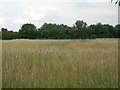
(60,63)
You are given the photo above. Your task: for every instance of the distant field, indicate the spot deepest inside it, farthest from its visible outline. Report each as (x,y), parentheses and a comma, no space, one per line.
(60,63)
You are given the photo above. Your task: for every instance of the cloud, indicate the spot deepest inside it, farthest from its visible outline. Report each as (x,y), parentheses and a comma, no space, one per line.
(21,20)
(38,12)
(2,21)
(14,13)
(33,1)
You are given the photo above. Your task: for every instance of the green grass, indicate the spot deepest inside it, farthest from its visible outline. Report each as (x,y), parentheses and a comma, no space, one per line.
(60,63)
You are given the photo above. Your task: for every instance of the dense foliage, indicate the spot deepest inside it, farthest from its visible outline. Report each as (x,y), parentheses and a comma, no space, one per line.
(116,2)
(80,30)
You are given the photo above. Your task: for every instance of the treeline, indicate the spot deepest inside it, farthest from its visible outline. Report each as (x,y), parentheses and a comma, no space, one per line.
(80,30)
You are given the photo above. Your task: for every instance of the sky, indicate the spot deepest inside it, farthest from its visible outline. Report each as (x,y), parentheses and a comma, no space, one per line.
(15,13)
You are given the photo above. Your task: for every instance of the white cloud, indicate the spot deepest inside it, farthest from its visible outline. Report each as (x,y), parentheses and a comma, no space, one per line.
(17,12)
(38,12)
(8,1)
(2,21)
(21,20)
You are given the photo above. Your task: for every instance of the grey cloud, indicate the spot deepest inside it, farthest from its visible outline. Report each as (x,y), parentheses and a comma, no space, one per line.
(67,13)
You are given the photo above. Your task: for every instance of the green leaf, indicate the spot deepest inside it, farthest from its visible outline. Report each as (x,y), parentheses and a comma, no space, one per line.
(116,2)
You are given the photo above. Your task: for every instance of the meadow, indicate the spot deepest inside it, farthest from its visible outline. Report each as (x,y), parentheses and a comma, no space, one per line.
(60,63)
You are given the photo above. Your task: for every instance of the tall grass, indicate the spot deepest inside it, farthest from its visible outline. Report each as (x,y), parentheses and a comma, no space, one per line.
(60,63)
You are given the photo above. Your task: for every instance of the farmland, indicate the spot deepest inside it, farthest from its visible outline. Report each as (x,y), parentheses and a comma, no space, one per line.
(60,63)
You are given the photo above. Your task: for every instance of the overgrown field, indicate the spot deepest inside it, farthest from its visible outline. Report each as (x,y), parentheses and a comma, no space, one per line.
(60,63)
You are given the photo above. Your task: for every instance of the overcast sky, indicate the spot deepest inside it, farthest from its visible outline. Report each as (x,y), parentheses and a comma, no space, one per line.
(15,13)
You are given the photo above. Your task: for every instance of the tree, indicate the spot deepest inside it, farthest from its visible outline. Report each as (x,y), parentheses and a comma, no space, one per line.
(101,31)
(48,31)
(91,32)
(4,30)
(4,33)
(117,2)
(81,28)
(28,31)
(117,30)
(63,31)
(8,35)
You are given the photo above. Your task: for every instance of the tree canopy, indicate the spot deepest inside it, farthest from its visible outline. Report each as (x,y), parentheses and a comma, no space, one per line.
(116,2)
(79,30)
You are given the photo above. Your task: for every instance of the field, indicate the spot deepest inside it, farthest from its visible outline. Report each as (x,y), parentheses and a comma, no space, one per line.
(60,63)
